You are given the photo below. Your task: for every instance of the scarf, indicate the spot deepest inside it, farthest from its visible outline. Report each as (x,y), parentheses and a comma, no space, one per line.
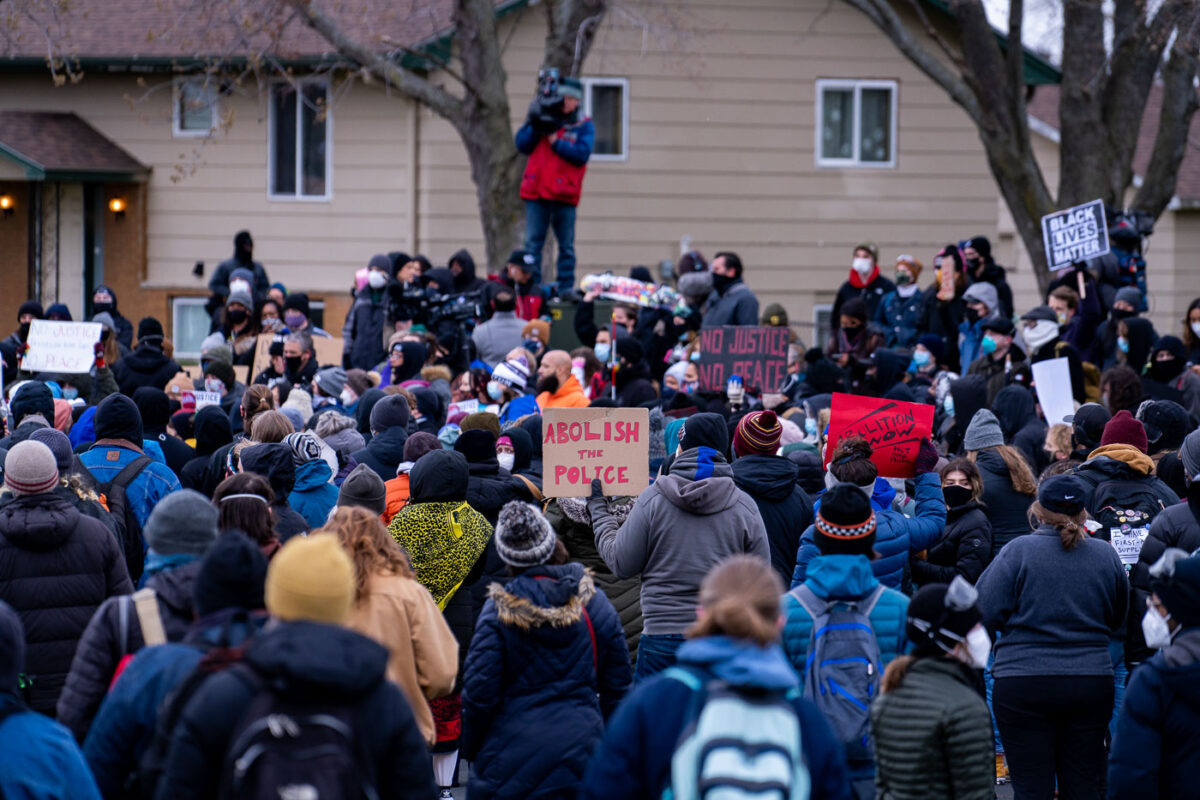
(443,541)
(156,563)
(859,283)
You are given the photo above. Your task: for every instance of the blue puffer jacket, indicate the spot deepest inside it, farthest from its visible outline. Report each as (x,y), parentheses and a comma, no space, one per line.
(51,766)
(547,665)
(844,578)
(313,495)
(901,317)
(896,535)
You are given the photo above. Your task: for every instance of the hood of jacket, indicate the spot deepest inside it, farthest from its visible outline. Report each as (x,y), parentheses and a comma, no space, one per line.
(840,576)
(545,596)
(273,462)
(443,277)
(310,659)
(362,412)
(634,372)
(1115,461)
(312,475)
(1141,340)
(146,359)
(466,277)
(701,482)
(740,663)
(970,395)
(1013,408)
(118,418)
(212,430)
(174,587)
(388,446)
(37,522)
(439,476)
(769,477)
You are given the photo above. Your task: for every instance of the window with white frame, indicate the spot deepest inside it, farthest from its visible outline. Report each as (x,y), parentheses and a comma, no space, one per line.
(606,101)
(856,123)
(195,106)
(189,325)
(822,314)
(300,129)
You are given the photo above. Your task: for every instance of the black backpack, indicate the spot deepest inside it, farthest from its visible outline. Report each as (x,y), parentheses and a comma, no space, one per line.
(1124,509)
(129,530)
(286,748)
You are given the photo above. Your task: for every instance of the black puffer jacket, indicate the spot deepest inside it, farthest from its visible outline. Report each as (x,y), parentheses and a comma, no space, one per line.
(306,664)
(1008,510)
(965,549)
(145,366)
(489,488)
(1014,409)
(573,523)
(213,432)
(384,452)
(56,567)
(634,386)
(100,649)
(274,462)
(785,508)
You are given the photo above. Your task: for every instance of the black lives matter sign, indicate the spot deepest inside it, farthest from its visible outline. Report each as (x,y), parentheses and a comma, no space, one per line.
(757,354)
(1075,234)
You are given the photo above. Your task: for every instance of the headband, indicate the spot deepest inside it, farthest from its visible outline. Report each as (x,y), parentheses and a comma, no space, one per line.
(254,496)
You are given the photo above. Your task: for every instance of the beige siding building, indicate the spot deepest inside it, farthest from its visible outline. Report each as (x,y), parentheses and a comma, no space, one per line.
(785,130)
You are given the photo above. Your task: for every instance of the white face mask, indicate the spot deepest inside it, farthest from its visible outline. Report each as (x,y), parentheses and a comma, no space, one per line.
(1155,629)
(376,279)
(862,266)
(239,286)
(1196,328)
(214,385)
(348,397)
(506,460)
(578,373)
(1042,332)
(979,645)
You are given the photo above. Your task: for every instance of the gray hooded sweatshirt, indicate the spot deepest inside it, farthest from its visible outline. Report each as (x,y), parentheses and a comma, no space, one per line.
(686,523)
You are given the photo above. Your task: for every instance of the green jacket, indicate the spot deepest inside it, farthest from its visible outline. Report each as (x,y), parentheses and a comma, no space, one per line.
(933,736)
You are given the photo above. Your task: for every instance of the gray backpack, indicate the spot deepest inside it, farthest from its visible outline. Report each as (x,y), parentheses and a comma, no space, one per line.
(843,670)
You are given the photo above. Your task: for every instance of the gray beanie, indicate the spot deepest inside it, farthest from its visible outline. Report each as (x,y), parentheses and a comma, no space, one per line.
(241,298)
(523,536)
(59,444)
(1129,294)
(29,468)
(331,381)
(363,487)
(182,522)
(1189,454)
(984,431)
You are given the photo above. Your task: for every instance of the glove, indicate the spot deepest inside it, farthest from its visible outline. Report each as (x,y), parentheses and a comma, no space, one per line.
(735,390)
(927,458)
(597,488)
(98,349)
(22,349)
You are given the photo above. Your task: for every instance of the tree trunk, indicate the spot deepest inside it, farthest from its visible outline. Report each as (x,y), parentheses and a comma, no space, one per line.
(496,169)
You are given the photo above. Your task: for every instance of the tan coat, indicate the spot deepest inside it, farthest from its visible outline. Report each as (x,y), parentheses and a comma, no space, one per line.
(400,614)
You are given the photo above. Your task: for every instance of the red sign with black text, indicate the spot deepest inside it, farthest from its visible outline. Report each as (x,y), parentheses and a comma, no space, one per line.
(893,428)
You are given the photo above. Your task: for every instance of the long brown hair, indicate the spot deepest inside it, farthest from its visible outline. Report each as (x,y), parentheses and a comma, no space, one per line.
(369,544)
(969,470)
(252,517)
(270,427)
(1019,472)
(740,598)
(256,399)
(1070,528)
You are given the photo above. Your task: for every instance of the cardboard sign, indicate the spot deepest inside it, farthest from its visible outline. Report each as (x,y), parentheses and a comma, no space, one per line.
(758,354)
(328,352)
(1052,382)
(893,428)
(1075,234)
(61,346)
(579,444)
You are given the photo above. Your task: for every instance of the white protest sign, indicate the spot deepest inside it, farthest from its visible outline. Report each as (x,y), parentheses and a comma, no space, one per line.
(462,407)
(1052,380)
(61,346)
(1075,234)
(207,399)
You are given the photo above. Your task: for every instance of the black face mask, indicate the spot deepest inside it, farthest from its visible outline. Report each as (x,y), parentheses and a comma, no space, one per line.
(1119,314)
(1165,370)
(293,364)
(973,263)
(971,315)
(237,316)
(722,282)
(23,331)
(102,308)
(956,496)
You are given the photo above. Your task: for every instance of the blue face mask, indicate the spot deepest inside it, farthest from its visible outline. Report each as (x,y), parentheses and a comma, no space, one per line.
(922,357)
(1122,345)
(810,426)
(695,356)
(988,345)
(602,350)
(948,405)
(70,393)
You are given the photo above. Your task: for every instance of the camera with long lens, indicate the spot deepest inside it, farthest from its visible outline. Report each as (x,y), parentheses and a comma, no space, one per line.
(426,306)
(546,112)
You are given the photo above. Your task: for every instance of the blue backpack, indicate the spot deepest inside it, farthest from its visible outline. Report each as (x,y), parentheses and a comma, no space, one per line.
(844,666)
(737,744)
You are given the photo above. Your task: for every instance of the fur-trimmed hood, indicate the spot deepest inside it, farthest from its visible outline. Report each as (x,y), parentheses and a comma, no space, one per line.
(576,510)
(436,372)
(544,597)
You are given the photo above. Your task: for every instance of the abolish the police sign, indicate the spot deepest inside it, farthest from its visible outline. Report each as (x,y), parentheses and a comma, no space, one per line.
(1075,234)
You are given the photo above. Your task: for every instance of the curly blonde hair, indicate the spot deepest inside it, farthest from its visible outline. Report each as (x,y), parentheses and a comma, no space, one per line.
(371,547)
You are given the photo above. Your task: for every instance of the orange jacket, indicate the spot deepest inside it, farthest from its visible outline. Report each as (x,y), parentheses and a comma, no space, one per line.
(397,496)
(569,395)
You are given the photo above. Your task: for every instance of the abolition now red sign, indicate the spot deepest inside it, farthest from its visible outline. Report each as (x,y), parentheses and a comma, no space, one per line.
(757,354)
(893,428)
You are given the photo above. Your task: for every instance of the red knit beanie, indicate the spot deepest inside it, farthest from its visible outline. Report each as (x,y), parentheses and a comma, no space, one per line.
(1124,429)
(757,433)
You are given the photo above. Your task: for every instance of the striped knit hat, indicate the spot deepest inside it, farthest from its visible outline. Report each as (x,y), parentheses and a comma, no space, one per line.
(513,374)
(29,468)
(845,523)
(757,433)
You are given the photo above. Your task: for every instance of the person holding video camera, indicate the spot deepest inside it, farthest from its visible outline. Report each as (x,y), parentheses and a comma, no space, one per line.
(558,141)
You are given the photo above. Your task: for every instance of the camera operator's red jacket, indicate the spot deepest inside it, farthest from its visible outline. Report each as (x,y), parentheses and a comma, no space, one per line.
(555,171)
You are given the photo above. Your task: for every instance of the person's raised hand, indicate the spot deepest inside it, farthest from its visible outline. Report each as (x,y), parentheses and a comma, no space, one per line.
(927,458)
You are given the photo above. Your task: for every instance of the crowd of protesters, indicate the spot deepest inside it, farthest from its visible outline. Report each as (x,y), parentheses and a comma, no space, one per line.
(341,577)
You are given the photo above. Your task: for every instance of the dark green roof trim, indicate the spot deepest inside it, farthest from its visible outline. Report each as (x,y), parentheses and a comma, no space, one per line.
(439,46)
(36,172)
(1038,71)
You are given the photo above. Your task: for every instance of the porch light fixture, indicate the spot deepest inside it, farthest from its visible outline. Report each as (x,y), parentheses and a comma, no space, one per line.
(117,207)
(7,205)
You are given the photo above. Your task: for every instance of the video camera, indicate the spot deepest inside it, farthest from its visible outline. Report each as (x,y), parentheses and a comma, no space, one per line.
(546,113)
(1127,228)
(429,307)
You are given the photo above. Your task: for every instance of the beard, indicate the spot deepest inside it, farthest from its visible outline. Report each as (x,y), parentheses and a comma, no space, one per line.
(550,384)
